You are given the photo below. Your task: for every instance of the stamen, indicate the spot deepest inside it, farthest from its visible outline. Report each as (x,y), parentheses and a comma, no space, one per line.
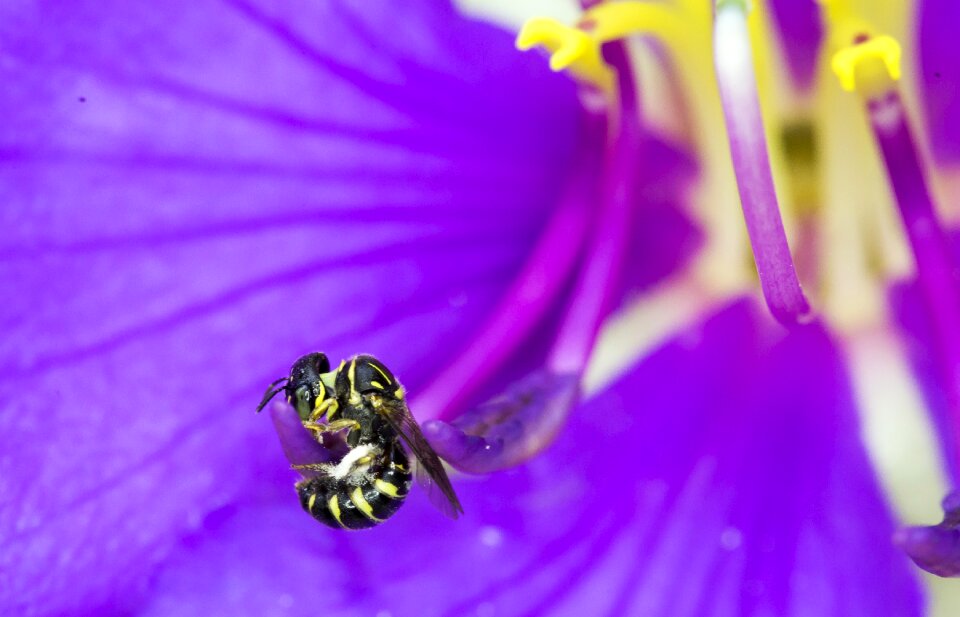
(508,429)
(847,61)
(519,424)
(533,292)
(612,21)
(570,48)
(578,48)
(874,71)
(936,548)
(593,293)
(741,108)
(876,82)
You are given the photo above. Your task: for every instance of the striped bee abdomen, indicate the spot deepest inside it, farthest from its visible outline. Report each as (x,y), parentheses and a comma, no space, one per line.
(364,489)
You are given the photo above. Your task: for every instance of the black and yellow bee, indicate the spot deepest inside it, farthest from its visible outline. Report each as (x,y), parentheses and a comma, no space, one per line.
(370,482)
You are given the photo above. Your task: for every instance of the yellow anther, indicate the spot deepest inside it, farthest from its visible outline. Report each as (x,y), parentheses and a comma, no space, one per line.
(578,48)
(865,61)
(850,64)
(610,21)
(569,48)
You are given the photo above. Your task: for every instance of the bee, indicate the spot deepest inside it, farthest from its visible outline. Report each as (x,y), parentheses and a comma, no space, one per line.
(371,481)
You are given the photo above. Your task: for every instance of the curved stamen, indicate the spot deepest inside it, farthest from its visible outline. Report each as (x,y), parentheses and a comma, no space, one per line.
(532,293)
(935,265)
(936,548)
(570,48)
(733,60)
(871,66)
(517,425)
(601,272)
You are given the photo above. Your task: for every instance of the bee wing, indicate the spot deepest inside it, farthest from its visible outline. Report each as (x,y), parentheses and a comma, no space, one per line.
(430,472)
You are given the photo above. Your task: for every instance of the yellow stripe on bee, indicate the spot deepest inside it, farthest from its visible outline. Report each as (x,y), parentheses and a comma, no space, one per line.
(360,501)
(387,488)
(334,506)
(352,378)
(377,385)
(398,467)
(400,393)
(310,502)
(381,371)
(332,409)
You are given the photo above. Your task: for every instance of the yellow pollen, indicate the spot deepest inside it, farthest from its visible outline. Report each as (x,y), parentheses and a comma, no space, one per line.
(578,48)
(610,21)
(569,48)
(865,61)
(850,64)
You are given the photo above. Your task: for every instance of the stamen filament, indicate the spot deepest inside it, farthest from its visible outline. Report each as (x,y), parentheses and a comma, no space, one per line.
(935,267)
(600,276)
(532,293)
(741,108)
(869,63)
(520,423)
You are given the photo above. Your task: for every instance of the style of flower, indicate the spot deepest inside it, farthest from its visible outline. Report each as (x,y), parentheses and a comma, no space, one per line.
(201,193)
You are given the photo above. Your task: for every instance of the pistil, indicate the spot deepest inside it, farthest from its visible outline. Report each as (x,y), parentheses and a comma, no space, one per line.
(733,60)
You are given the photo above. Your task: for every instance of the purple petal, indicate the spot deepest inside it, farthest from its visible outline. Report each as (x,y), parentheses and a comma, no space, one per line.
(300,447)
(801,32)
(940,75)
(724,476)
(663,238)
(196,194)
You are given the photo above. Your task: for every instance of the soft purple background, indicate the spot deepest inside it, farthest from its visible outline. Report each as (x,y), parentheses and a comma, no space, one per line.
(194,194)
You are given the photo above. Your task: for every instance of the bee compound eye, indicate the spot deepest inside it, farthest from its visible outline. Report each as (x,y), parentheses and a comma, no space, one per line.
(303,398)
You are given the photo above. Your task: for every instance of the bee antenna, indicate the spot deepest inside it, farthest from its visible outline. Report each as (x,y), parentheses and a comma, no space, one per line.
(270,393)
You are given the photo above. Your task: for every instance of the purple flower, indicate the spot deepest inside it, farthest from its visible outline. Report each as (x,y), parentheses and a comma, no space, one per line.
(199,194)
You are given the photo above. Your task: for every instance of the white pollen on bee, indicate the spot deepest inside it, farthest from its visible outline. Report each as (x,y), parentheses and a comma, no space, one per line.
(351,462)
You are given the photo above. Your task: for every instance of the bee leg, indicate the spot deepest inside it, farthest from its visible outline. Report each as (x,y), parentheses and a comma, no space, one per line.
(328,406)
(332,427)
(312,466)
